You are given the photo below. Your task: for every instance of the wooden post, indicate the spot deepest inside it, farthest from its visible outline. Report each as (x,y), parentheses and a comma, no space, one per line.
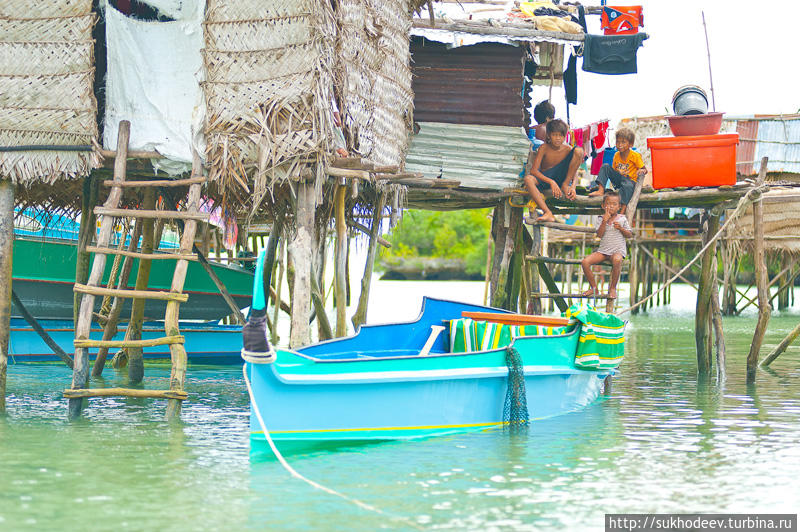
(86,233)
(300,250)
(340,261)
(704,292)
(135,359)
(110,328)
(535,303)
(80,372)
(760,266)
(507,225)
(633,276)
(360,315)
(40,331)
(6,247)
(716,320)
(177,378)
(278,287)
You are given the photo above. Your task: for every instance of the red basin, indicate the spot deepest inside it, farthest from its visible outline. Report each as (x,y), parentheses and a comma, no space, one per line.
(691,125)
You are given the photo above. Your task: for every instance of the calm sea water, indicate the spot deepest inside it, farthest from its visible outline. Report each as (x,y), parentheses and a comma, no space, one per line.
(663,442)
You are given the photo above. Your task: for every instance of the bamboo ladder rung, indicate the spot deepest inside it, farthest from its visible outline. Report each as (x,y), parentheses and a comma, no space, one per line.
(155,183)
(143,294)
(552,260)
(167,215)
(151,342)
(138,255)
(79,393)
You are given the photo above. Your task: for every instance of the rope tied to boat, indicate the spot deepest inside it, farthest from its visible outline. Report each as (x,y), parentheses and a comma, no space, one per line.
(515,408)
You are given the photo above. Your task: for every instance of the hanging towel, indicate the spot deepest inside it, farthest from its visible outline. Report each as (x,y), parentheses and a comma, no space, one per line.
(602,338)
(599,138)
(611,54)
(597,162)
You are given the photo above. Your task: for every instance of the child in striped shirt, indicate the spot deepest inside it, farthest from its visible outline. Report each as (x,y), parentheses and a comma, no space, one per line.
(612,228)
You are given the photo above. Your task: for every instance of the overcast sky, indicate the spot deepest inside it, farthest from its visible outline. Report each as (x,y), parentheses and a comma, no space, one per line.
(754,60)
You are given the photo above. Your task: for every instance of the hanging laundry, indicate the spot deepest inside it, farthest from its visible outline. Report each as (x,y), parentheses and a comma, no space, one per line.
(599,136)
(578,134)
(621,20)
(611,54)
(597,163)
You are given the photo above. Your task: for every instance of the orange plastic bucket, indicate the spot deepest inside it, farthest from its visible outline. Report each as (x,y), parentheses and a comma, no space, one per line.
(697,161)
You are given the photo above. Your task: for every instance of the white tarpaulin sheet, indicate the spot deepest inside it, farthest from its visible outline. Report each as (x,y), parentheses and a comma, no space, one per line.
(153,80)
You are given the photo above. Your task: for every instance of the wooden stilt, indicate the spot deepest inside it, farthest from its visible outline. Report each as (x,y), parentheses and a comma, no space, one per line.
(536,251)
(716,320)
(785,343)
(340,261)
(760,266)
(360,315)
(507,224)
(177,351)
(40,331)
(135,359)
(300,249)
(278,287)
(704,293)
(110,327)
(6,246)
(86,233)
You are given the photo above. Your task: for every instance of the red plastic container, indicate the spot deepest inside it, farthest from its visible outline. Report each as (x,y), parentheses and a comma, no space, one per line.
(697,161)
(689,125)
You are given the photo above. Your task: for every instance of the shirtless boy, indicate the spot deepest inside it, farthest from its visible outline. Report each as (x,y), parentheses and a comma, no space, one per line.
(552,168)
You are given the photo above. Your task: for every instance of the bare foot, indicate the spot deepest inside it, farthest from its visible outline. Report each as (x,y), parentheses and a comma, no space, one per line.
(546,217)
(596,193)
(589,292)
(612,293)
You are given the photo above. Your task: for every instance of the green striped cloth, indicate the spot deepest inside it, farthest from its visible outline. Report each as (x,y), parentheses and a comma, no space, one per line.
(602,338)
(468,335)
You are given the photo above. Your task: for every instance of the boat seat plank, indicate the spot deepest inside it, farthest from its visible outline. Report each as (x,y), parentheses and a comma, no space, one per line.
(124,392)
(138,255)
(516,319)
(144,294)
(150,342)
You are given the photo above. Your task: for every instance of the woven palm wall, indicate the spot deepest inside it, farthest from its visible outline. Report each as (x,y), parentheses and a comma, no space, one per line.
(46,98)
(268,90)
(375,77)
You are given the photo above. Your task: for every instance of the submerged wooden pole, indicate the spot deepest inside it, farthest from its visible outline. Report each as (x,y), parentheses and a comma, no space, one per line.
(28,317)
(135,358)
(760,266)
(300,251)
(340,261)
(704,293)
(785,343)
(716,320)
(360,315)
(6,246)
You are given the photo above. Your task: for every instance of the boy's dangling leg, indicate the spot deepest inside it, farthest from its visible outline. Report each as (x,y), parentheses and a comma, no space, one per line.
(616,269)
(586,265)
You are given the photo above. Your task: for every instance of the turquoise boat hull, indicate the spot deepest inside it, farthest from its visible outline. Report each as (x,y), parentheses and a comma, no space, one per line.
(374,386)
(206,343)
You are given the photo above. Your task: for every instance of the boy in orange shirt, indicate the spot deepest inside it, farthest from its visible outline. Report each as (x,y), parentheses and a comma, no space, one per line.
(625,170)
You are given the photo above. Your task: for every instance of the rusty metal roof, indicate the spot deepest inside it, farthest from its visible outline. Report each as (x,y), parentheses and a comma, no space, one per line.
(480,157)
(479,84)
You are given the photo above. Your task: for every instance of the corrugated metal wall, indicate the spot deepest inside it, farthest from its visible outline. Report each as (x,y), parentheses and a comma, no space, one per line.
(479,84)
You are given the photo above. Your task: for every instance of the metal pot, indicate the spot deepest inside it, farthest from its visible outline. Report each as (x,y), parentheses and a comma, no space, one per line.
(690,100)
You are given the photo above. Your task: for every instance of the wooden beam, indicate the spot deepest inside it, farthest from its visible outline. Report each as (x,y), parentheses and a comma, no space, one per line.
(366,230)
(516,319)
(340,261)
(132,154)
(360,315)
(28,317)
(563,227)
(156,183)
(150,342)
(124,392)
(152,214)
(504,29)
(140,294)
(348,172)
(300,250)
(138,255)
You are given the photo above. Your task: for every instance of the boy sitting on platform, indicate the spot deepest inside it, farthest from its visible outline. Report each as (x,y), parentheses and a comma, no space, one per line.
(612,228)
(552,168)
(624,171)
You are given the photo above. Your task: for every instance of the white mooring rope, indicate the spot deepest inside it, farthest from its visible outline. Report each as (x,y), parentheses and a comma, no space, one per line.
(297,475)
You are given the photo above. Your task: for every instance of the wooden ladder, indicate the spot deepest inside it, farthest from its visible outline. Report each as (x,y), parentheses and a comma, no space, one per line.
(174,297)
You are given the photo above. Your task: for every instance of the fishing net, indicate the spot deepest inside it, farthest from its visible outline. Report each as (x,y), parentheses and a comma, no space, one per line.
(515,409)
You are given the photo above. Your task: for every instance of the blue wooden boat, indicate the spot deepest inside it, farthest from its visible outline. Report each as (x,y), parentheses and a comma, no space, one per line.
(380,385)
(206,343)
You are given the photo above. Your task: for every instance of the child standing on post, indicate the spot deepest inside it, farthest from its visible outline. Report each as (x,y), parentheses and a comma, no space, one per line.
(612,228)
(553,168)
(625,170)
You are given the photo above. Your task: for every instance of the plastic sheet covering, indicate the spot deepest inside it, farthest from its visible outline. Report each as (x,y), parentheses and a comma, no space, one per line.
(154,74)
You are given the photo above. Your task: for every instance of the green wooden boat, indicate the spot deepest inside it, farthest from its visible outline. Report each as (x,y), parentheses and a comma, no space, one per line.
(44,273)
